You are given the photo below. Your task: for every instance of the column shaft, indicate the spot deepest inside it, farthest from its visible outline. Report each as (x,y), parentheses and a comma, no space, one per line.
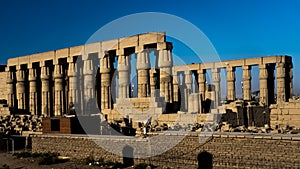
(230,83)
(21,96)
(165,63)
(263,85)
(216,82)
(89,89)
(280,77)
(10,88)
(247,82)
(105,70)
(73,85)
(58,91)
(143,66)
(33,102)
(46,103)
(124,74)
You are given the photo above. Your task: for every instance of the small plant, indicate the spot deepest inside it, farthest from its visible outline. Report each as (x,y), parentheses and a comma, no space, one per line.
(22,154)
(141,166)
(89,160)
(48,158)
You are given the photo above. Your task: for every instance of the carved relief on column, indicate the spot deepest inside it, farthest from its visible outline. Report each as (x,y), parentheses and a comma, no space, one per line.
(58,90)
(216,82)
(280,76)
(21,91)
(153,82)
(45,77)
(124,74)
(73,84)
(105,70)
(165,63)
(263,85)
(247,82)
(33,95)
(230,83)
(175,87)
(10,88)
(89,72)
(202,82)
(188,90)
(143,66)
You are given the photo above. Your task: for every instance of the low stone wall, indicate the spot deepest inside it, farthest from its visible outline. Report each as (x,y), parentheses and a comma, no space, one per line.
(285,113)
(221,150)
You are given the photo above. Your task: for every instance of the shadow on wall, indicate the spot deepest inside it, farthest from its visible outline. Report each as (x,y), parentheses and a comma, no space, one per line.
(127,154)
(205,160)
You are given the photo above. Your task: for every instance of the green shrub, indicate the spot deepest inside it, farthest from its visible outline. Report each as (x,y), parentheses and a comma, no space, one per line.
(22,154)
(141,166)
(88,160)
(48,158)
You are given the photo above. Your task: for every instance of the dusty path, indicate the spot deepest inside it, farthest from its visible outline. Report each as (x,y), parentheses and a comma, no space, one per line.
(31,163)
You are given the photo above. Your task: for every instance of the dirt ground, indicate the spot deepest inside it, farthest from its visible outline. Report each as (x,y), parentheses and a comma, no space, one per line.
(31,163)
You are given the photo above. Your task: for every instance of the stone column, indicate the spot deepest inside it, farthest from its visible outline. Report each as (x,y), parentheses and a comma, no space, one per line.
(165,63)
(153,81)
(263,85)
(247,82)
(124,74)
(73,84)
(202,87)
(46,102)
(33,95)
(202,83)
(175,87)
(21,90)
(58,91)
(290,74)
(105,71)
(230,83)
(89,71)
(216,82)
(280,77)
(188,89)
(10,88)
(143,66)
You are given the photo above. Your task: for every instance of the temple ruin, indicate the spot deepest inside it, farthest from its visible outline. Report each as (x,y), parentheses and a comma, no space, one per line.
(95,78)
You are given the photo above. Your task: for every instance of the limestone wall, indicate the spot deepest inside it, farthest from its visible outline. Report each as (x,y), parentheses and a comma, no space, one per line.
(224,150)
(3,88)
(285,113)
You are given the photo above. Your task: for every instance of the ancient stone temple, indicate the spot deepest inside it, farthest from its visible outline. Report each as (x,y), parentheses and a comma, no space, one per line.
(96,78)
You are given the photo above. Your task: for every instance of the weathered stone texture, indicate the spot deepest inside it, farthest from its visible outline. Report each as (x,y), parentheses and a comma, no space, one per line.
(228,150)
(3,88)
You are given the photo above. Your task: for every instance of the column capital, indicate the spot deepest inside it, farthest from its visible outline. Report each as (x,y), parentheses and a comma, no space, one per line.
(32,74)
(72,71)
(58,71)
(142,60)
(105,65)
(246,67)
(165,58)
(45,74)
(20,75)
(263,72)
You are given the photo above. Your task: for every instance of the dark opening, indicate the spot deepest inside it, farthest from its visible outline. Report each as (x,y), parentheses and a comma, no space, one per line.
(55,125)
(205,160)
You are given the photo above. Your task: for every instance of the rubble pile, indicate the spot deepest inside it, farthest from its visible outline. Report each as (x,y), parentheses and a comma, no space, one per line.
(16,124)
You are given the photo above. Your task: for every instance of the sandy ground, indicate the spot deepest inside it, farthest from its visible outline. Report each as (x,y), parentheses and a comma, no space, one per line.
(31,163)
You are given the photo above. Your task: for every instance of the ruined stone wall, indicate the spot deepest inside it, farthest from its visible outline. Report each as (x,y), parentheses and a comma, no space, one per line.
(3,88)
(285,113)
(223,150)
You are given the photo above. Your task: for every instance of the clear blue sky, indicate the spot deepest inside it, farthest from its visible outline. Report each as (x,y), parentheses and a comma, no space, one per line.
(237,29)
